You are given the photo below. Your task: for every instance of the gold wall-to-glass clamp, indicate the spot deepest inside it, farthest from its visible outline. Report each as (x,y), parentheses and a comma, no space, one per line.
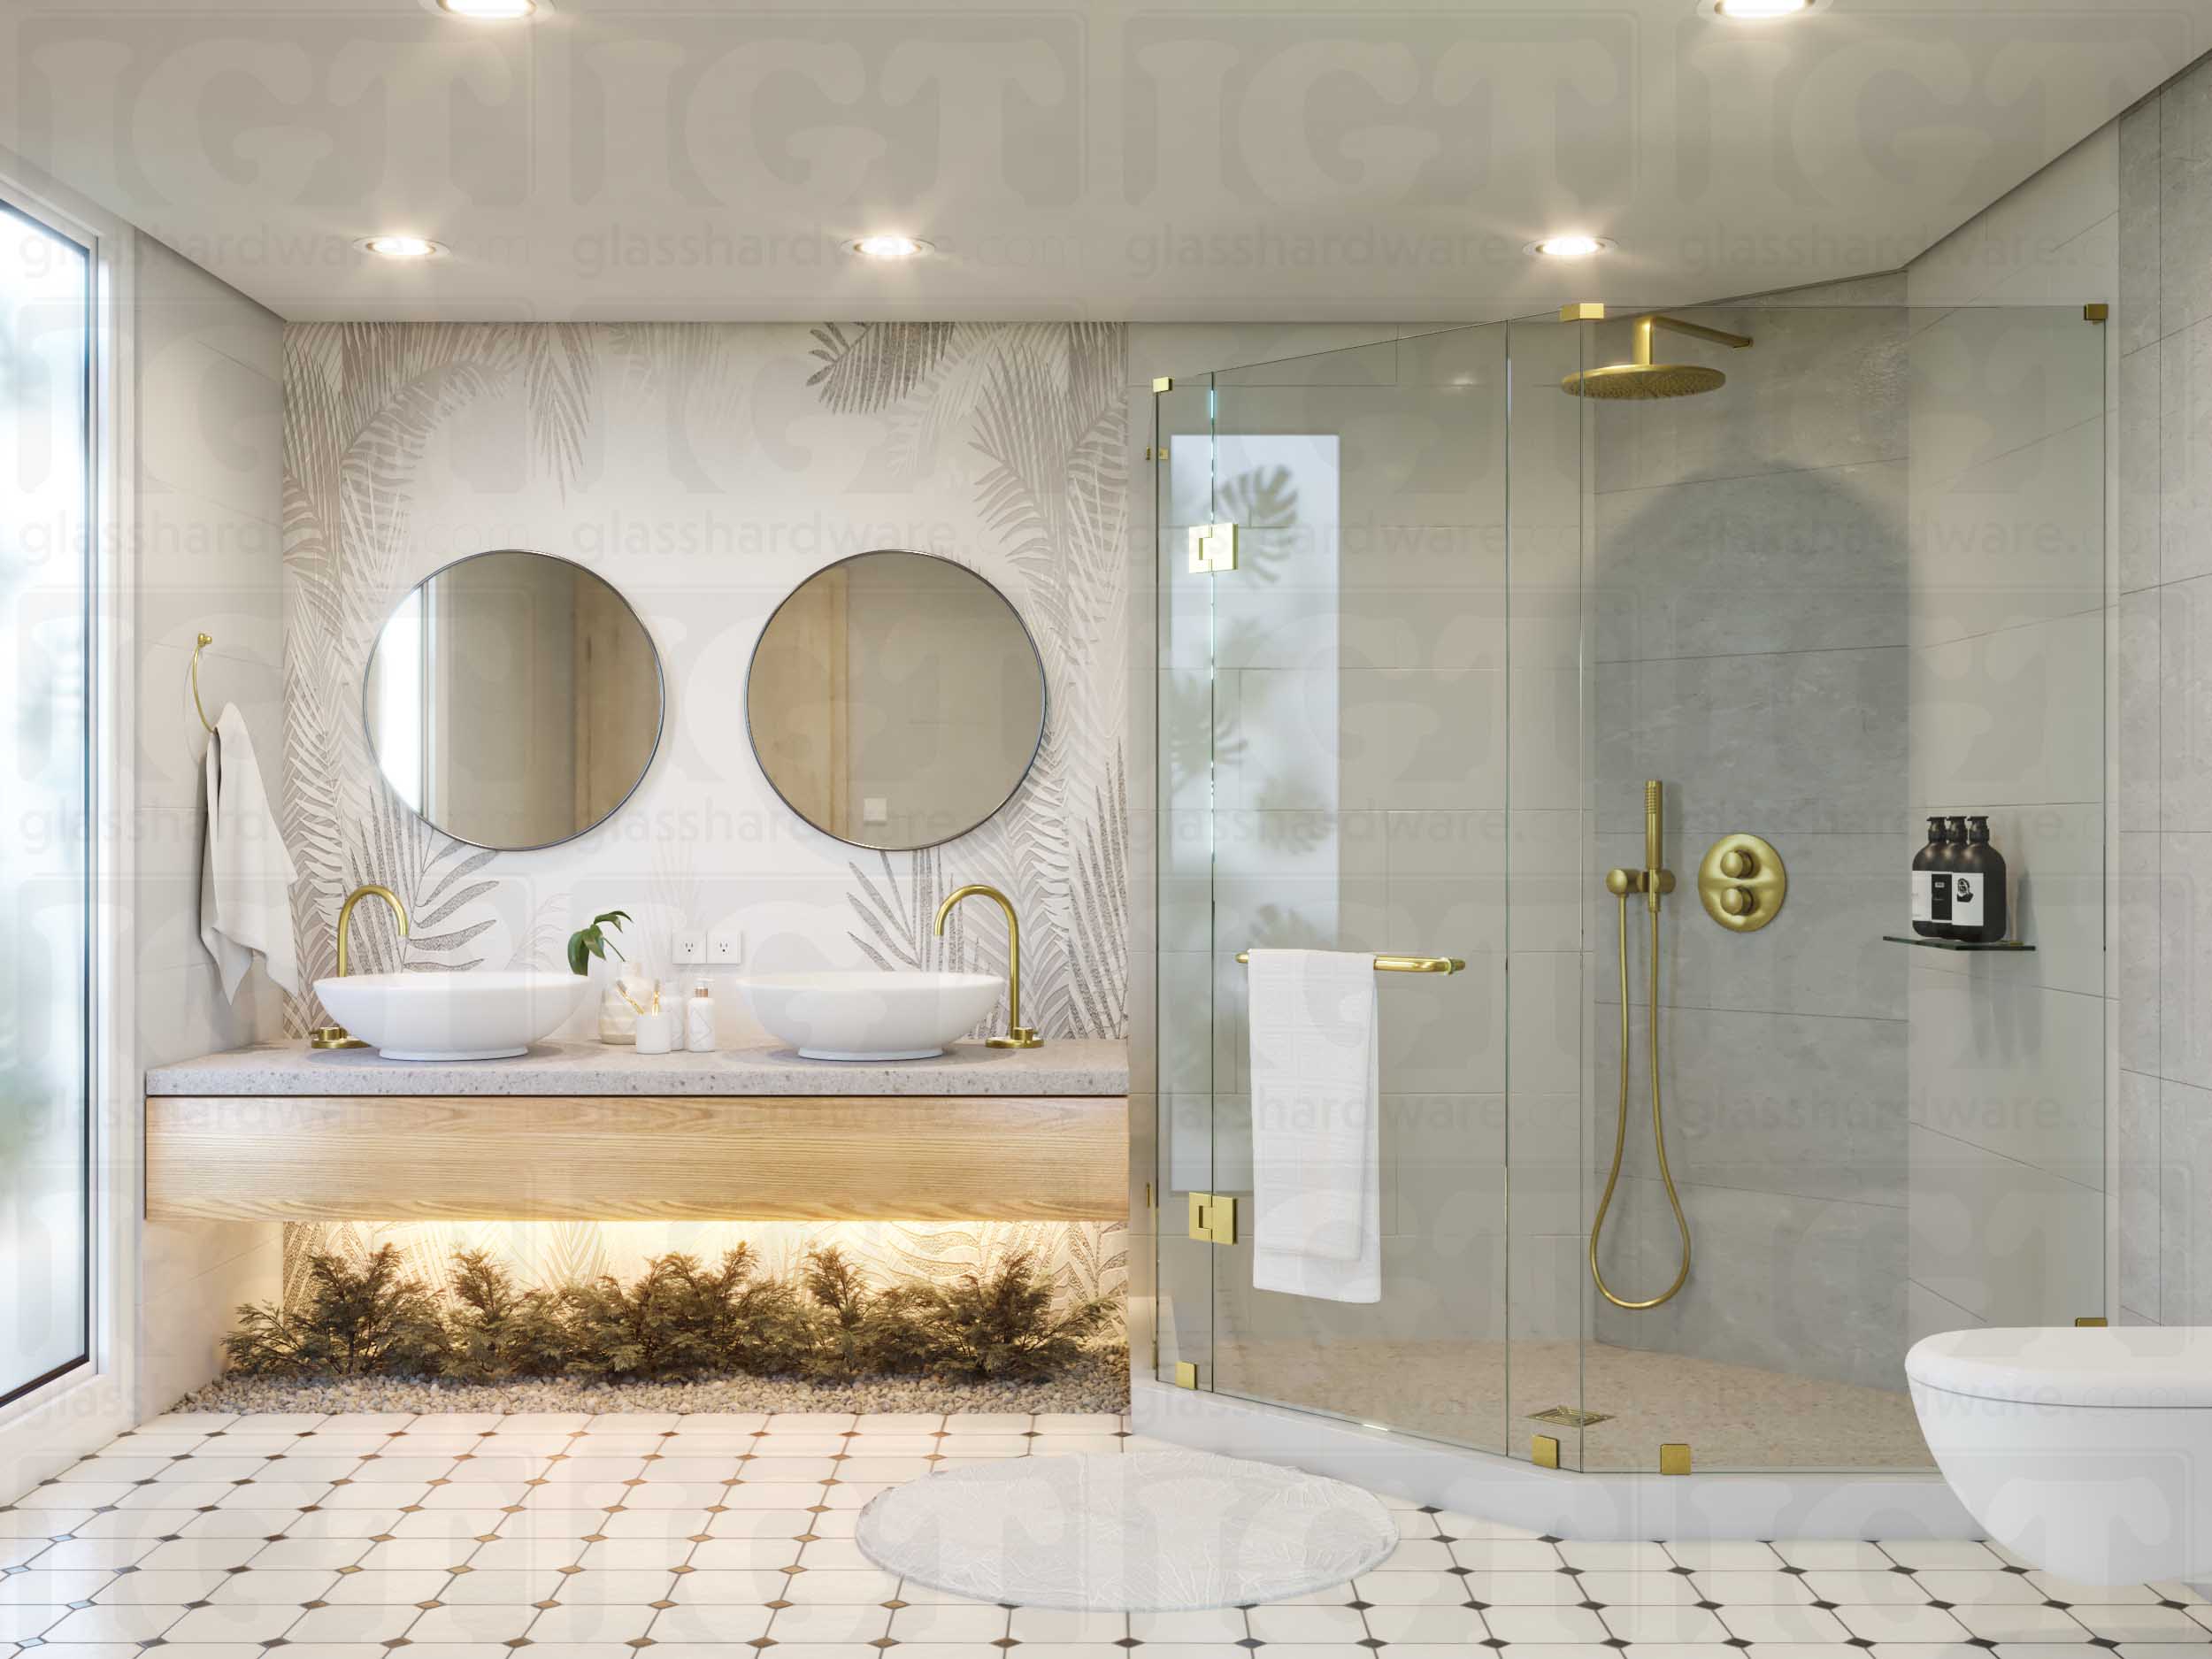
(1018,1035)
(1403,964)
(338,1036)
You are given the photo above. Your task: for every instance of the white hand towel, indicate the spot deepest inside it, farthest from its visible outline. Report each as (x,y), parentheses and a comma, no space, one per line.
(246,873)
(1316,1125)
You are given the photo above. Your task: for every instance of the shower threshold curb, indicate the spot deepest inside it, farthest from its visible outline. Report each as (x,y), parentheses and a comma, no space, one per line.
(1561,1503)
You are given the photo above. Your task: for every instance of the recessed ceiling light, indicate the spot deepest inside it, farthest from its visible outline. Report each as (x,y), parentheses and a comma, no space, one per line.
(888,247)
(401,247)
(1576,247)
(490,11)
(1758,10)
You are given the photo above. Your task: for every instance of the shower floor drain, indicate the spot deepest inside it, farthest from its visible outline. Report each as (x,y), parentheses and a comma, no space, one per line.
(1568,1417)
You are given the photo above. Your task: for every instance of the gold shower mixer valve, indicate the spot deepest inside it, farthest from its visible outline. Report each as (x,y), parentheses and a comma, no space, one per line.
(1742,883)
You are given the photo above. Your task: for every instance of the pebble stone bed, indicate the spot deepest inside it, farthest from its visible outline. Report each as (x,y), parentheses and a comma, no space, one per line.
(1098,1382)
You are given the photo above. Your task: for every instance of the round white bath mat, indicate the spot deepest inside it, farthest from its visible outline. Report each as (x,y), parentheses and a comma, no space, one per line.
(1141,1532)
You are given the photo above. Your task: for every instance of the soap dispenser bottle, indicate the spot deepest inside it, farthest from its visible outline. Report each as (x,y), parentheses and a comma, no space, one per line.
(1977,887)
(1944,889)
(1923,863)
(699,1018)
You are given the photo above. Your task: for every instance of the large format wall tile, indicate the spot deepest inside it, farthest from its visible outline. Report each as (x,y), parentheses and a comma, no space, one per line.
(2009,1244)
(2185,958)
(2016,539)
(2138,1108)
(2184,1227)
(1785,1103)
(2012,718)
(1813,1289)
(2140,191)
(1806,560)
(1811,742)
(2015,1069)
(2184,446)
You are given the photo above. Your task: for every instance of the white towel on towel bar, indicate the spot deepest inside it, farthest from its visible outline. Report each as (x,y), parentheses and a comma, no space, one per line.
(246,873)
(1317,1125)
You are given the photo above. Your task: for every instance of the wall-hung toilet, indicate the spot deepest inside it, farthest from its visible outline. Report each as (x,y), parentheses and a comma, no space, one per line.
(2085,1451)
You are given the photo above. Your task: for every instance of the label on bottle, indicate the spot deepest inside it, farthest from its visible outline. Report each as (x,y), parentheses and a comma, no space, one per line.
(1940,895)
(1923,895)
(1966,901)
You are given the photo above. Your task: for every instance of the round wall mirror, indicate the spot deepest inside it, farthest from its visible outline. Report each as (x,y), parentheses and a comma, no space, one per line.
(513,699)
(896,700)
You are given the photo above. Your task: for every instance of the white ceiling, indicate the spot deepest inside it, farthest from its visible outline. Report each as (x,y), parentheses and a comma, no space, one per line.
(1085,158)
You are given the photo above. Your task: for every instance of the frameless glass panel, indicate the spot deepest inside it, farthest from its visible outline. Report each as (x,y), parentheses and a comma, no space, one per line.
(1360,785)
(1546,857)
(45,357)
(1856,580)
(1183,893)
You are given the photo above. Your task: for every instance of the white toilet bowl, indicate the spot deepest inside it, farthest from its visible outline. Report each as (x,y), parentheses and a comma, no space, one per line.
(2085,1451)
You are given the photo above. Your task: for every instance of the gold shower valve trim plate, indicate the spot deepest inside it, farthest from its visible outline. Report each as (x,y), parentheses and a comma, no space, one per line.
(1742,883)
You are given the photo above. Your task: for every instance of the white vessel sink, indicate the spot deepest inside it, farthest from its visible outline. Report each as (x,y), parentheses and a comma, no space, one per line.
(453,1016)
(870,1016)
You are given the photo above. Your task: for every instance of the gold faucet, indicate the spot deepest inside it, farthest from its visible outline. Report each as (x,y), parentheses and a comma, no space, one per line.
(338,1036)
(1018,1035)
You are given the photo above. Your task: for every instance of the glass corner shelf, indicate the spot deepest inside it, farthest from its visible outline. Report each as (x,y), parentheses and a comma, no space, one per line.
(1955,944)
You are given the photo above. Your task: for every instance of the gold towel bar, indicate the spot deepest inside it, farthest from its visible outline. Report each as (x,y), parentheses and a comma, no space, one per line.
(205,641)
(1403,964)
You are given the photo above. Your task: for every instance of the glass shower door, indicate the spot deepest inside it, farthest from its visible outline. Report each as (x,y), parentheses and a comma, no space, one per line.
(1350,709)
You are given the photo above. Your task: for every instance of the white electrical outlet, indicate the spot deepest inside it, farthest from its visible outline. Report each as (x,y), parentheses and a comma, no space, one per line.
(690,947)
(725,949)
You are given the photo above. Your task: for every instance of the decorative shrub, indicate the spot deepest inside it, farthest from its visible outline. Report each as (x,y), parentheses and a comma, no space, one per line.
(495,1332)
(678,1320)
(365,1321)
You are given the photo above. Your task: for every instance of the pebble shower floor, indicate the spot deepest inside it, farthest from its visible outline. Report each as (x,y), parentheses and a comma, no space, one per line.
(210,1536)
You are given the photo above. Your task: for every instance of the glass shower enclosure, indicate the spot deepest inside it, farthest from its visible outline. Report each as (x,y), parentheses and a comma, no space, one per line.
(1411,705)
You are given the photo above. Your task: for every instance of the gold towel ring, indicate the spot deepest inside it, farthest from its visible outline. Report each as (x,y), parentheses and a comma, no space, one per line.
(206,640)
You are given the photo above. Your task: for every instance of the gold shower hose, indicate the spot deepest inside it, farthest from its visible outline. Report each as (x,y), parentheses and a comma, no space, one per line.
(1653,880)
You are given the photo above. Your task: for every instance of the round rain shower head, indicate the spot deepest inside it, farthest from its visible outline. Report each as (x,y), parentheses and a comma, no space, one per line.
(1644,380)
(1641,378)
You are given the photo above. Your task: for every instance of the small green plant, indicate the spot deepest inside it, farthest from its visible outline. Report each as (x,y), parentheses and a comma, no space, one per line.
(365,1321)
(495,1332)
(587,943)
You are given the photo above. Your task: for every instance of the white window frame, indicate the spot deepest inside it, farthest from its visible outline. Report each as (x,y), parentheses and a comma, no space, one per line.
(54,1425)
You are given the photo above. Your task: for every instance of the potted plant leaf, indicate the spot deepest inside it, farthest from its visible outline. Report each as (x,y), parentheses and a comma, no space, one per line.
(627,994)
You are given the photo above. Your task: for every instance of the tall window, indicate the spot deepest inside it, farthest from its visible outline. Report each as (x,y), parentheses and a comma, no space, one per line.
(46,479)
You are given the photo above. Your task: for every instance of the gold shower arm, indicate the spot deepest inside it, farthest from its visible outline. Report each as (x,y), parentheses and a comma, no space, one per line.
(1650,320)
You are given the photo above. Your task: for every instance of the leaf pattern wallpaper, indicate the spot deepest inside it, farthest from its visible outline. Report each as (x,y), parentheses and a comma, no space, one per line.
(704,470)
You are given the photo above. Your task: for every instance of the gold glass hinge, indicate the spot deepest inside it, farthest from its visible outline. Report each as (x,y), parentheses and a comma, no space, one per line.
(1543,1451)
(1674,1458)
(1185,1374)
(1213,548)
(1163,383)
(2095,311)
(2089,1319)
(1213,1219)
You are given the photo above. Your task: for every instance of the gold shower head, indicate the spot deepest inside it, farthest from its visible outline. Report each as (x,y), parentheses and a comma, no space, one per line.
(1644,378)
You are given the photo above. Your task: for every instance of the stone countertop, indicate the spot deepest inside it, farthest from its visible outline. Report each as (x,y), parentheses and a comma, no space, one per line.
(1069,1066)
